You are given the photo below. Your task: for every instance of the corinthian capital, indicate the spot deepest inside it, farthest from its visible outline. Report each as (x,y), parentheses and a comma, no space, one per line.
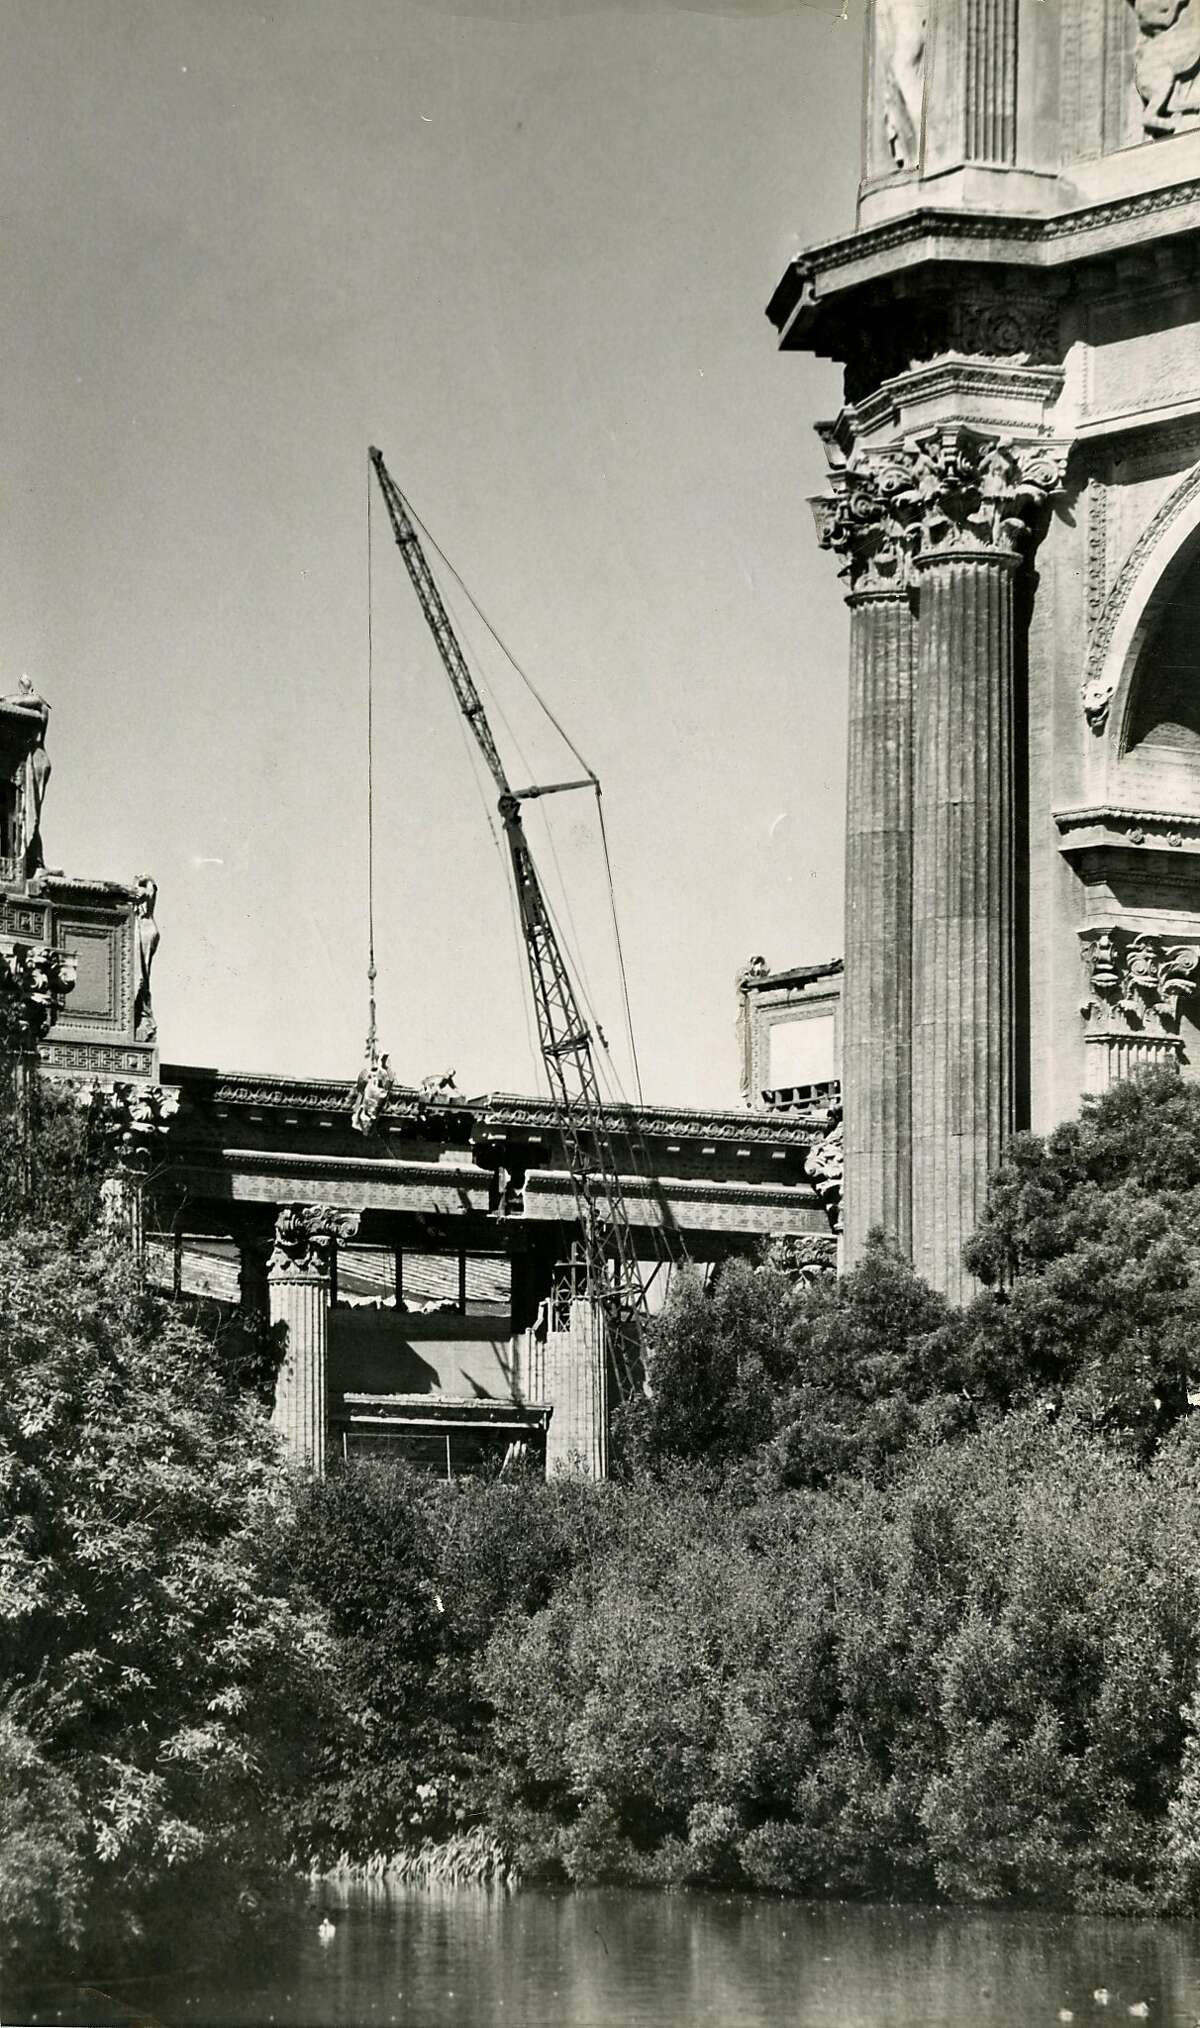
(300,1233)
(867,521)
(967,491)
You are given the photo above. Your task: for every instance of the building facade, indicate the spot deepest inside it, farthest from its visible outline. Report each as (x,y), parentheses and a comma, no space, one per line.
(1014,506)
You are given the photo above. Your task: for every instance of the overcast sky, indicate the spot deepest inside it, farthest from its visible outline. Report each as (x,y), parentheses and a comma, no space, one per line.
(523,245)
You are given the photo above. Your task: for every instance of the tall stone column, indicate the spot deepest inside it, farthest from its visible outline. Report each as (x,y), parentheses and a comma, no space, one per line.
(298,1292)
(862,523)
(976,499)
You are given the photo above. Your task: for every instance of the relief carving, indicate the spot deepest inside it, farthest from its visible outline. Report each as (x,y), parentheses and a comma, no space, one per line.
(900,46)
(1166,65)
(868,522)
(302,1236)
(1136,984)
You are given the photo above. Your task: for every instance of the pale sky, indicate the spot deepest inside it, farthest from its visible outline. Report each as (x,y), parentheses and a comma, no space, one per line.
(524,246)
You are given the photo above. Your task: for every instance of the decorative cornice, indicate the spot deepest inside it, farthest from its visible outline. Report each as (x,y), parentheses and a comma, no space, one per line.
(1156,830)
(1054,240)
(491,1116)
(1099,681)
(1136,982)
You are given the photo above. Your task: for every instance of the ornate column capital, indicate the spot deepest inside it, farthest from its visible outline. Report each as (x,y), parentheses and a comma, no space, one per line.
(302,1231)
(973,494)
(34,983)
(951,491)
(1136,983)
(866,521)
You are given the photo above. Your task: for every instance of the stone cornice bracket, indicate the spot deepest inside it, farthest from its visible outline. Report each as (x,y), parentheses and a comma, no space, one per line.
(970,493)
(302,1236)
(34,983)
(1136,983)
(867,522)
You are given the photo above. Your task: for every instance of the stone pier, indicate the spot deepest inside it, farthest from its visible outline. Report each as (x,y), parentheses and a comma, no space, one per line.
(298,1293)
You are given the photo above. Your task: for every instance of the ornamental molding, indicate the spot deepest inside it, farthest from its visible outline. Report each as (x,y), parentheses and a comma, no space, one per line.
(1137,983)
(808,269)
(506,1111)
(1169,830)
(304,1237)
(946,490)
(1100,680)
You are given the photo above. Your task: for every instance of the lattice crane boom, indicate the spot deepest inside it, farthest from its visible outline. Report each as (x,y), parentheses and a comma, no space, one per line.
(612,1268)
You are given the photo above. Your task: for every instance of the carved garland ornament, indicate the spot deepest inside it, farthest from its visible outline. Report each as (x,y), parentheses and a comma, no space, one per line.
(948,490)
(1137,983)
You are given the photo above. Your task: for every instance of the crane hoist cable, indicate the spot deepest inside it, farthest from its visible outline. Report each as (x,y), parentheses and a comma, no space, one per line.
(612,1270)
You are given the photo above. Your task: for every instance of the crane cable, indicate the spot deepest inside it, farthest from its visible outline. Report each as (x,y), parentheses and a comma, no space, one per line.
(569,743)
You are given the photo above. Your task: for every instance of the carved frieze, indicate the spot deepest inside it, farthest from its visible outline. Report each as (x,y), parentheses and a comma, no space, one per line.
(34,983)
(302,1236)
(1136,983)
(1166,64)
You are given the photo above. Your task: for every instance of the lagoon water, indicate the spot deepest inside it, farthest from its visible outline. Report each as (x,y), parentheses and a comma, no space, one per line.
(612,1958)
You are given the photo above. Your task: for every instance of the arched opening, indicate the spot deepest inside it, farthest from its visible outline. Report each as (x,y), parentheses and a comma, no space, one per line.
(1164,708)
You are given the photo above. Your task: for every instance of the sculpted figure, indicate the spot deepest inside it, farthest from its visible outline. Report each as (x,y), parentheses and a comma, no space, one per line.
(1167,62)
(375,1081)
(146,891)
(900,46)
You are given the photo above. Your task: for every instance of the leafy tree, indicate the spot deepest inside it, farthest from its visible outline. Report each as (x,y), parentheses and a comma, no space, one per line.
(717,1355)
(159,1689)
(1090,1243)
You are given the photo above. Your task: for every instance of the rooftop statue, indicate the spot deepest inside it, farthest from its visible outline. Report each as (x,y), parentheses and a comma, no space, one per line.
(1167,63)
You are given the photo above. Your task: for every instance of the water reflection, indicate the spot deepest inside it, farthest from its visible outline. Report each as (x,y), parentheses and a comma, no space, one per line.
(458,1958)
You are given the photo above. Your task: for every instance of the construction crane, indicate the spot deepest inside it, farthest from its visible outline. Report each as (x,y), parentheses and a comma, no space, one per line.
(612,1272)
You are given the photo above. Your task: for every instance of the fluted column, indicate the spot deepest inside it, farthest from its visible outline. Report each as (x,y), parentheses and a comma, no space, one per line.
(876,1004)
(978,498)
(864,524)
(298,1294)
(963,952)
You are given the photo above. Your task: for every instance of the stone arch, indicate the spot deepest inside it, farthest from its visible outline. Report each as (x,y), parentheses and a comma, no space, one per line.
(1162,567)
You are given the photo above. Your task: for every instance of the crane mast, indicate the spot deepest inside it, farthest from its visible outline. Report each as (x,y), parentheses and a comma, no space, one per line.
(612,1271)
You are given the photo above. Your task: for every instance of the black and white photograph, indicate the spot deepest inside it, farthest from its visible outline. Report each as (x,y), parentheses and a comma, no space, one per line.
(599,1013)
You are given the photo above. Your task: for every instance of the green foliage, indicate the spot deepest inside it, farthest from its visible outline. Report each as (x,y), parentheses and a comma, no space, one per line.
(159,1689)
